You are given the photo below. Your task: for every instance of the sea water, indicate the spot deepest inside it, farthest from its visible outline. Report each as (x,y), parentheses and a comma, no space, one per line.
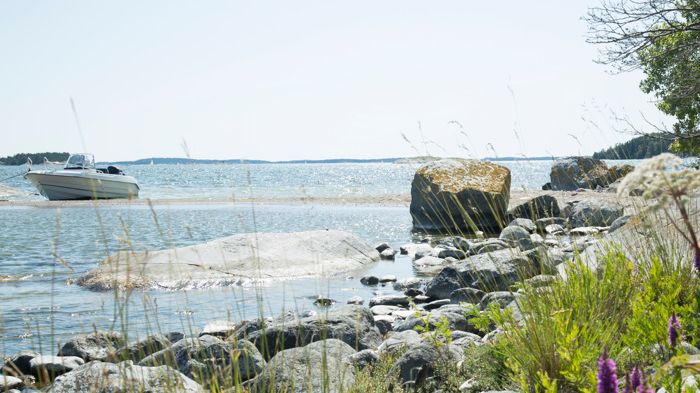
(45,249)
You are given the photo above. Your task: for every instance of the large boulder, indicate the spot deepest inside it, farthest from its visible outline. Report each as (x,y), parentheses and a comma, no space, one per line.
(18,364)
(460,196)
(99,377)
(233,260)
(93,346)
(538,207)
(207,357)
(572,173)
(418,362)
(351,324)
(46,368)
(595,213)
(320,367)
(517,236)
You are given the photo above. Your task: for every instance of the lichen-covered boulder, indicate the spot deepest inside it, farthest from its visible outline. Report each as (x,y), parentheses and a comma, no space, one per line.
(460,196)
(579,172)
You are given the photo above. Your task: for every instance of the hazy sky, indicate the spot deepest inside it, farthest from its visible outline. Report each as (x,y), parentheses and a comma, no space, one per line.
(306,79)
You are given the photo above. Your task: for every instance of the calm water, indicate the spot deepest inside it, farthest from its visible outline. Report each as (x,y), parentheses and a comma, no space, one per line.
(49,247)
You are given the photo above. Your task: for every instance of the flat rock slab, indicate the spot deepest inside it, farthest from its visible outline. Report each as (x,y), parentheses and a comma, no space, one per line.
(234,260)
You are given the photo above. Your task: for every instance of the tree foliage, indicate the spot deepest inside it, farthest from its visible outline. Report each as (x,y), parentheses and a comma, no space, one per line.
(662,38)
(644,146)
(37,158)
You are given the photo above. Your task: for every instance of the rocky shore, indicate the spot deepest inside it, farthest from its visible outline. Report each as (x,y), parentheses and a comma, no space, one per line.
(458,267)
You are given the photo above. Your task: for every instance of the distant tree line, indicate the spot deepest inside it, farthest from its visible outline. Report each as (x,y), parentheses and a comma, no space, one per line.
(644,146)
(37,158)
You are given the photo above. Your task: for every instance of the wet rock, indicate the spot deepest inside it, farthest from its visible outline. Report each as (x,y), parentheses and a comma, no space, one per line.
(221,329)
(495,271)
(452,314)
(524,223)
(412,249)
(538,207)
(174,336)
(573,173)
(93,346)
(595,213)
(389,300)
(357,300)
(363,358)
(97,376)
(324,302)
(429,264)
(299,367)
(352,324)
(388,278)
(457,195)
(384,323)
(383,310)
(143,348)
(466,295)
(46,368)
(517,236)
(369,280)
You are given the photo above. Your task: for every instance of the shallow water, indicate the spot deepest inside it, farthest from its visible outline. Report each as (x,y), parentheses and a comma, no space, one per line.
(46,248)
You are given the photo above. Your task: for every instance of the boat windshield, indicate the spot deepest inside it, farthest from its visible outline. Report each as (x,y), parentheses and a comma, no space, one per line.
(80,161)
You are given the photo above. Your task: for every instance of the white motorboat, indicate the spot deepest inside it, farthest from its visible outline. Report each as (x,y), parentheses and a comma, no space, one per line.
(79,179)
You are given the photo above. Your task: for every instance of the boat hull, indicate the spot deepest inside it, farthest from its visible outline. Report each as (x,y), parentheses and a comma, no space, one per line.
(75,185)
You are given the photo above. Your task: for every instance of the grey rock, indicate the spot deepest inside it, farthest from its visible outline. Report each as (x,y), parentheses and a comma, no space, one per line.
(412,249)
(384,323)
(388,254)
(502,298)
(584,231)
(364,358)
(399,340)
(541,280)
(102,377)
(387,278)
(93,346)
(573,173)
(542,223)
(413,292)
(18,364)
(452,252)
(356,300)
(353,325)
(298,369)
(221,329)
(324,302)
(466,295)
(536,208)
(524,223)
(489,245)
(421,359)
(429,264)
(517,236)
(554,229)
(595,213)
(174,336)
(408,283)
(389,300)
(381,247)
(446,282)
(453,314)
(457,195)
(48,367)
(8,382)
(495,271)
(619,223)
(143,348)
(436,304)
(383,310)
(369,280)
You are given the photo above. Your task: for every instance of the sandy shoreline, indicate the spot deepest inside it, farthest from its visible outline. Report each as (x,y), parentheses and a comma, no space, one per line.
(388,200)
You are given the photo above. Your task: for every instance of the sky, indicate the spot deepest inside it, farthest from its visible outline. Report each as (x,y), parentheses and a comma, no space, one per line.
(308,79)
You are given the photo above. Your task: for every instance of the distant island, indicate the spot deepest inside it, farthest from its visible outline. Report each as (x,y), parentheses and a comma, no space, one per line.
(37,158)
(643,146)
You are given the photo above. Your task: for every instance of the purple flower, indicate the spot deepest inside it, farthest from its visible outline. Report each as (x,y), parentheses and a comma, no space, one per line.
(696,260)
(607,379)
(645,389)
(674,330)
(636,377)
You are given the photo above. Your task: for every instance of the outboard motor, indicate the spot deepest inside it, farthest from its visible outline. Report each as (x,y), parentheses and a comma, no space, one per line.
(113,170)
